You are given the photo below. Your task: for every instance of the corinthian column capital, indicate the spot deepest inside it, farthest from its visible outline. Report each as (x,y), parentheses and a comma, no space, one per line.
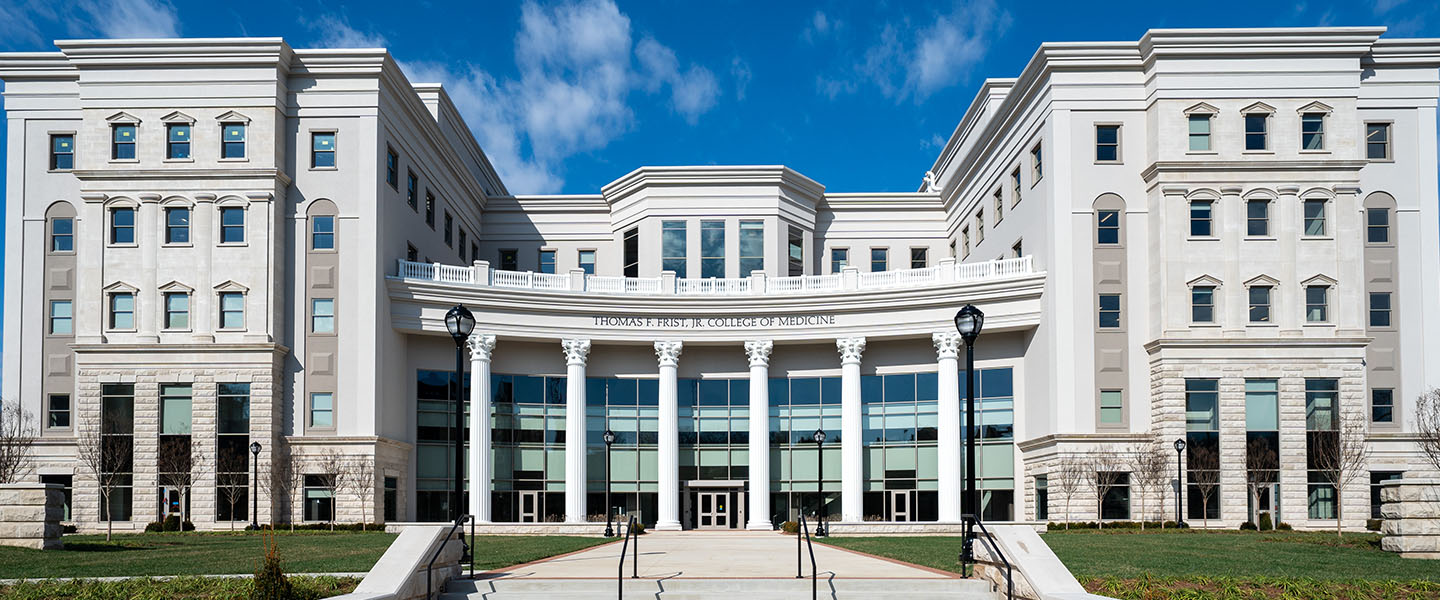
(668,352)
(947,343)
(576,351)
(850,349)
(759,352)
(481,345)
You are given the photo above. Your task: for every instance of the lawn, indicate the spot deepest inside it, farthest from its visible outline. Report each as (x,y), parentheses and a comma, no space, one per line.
(180,588)
(494,551)
(194,554)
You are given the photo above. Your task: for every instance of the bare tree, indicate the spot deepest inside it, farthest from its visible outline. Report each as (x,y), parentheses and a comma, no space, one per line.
(362,484)
(1340,457)
(229,477)
(105,454)
(332,475)
(178,466)
(17,440)
(1205,474)
(1152,466)
(1067,481)
(1427,427)
(1105,471)
(282,479)
(1262,470)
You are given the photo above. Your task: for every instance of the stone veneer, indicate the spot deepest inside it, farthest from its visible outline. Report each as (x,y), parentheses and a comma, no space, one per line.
(30,515)
(1411,508)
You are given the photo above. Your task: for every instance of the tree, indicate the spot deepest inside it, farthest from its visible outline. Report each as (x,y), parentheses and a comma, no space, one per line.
(282,479)
(230,478)
(104,453)
(332,474)
(1340,456)
(179,464)
(17,440)
(1104,471)
(1067,481)
(1262,470)
(1152,467)
(1205,475)
(361,475)
(1427,427)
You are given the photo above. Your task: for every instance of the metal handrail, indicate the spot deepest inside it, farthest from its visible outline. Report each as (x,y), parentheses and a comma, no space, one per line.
(467,551)
(968,557)
(634,560)
(804,531)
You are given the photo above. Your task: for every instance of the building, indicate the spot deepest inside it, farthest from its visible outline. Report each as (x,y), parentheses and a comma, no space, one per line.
(1226,236)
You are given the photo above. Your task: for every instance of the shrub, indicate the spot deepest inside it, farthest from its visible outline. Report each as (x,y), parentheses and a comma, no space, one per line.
(270,580)
(171,523)
(1247,526)
(154,527)
(1373,524)
(1284,527)
(69,529)
(790,527)
(639,528)
(1265,523)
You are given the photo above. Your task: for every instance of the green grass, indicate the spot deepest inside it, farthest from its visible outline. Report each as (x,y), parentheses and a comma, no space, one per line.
(495,551)
(186,588)
(193,554)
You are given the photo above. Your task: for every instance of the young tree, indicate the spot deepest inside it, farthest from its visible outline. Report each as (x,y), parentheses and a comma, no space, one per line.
(1152,467)
(1340,457)
(282,480)
(1067,480)
(1205,474)
(1104,471)
(332,475)
(1262,470)
(362,483)
(1427,427)
(104,455)
(230,478)
(17,440)
(178,465)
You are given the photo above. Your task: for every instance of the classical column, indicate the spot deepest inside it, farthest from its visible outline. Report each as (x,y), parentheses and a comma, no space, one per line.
(575,353)
(759,353)
(669,478)
(947,348)
(852,442)
(480,474)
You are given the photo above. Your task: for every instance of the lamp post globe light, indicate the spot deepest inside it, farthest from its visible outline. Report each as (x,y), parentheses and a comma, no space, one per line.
(968,322)
(1179,481)
(609,438)
(460,322)
(255,485)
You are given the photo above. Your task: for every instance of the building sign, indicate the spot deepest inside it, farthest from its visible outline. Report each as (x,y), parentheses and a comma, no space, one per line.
(713,322)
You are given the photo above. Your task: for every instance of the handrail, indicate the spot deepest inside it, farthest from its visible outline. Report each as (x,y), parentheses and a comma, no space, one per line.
(467,551)
(634,560)
(967,556)
(804,530)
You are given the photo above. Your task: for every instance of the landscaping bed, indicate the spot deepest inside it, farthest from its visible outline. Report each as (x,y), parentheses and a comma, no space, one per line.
(186,588)
(192,553)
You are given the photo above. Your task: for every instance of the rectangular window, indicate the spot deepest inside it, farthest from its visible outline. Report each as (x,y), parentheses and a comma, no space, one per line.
(232,140)
(919,258)
(547,261)
(1107,226)
(1202,304)
(474,251)
(1109,311)
(322,315)
(430,209)
(122,142)
(632,251)
(1317,304)
(1199,133)
(1202,437)
(1321,430)
(320,497)
(392,168)
(322,232)
(392,499)
(57,410)
(122,311)
(839,259)
(586,259)
(979,226)
(712,248)
(122,225)
(1262,405)
(1377,141)
(1037,164)
(999,202)
(177,141)
(673,247)
(322,150)
(412,190)
(232,310)
(232,457)
(62,315)
(62,234)
(1257,128)
(232,225)
(62,152)
(879,259)
(1260,304)
(1017,250)
(1107,143)
(1257,218)
(1314,217)
(509,260)
(449,230)
(177,225)
(1116,503)
(322,409)
(965,242)
(177,310)
(1112,409)
(412,253)
(1015,186)
(117,410)
(1379,309)
(1200,218)
(796,251)
(1382,405)
(752,247)
(462,243)
(1377,480)
(1377,225)
(176,407)
(1312,131)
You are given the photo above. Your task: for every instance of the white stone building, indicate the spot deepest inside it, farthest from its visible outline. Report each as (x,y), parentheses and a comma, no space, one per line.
(1205,234)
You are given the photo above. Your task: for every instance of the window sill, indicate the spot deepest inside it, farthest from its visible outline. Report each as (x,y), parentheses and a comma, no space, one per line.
(1258,152)
(121,331)
(1206,325)
(1314,152)
(1261,238)
(224,330)
(1367,245)
(59,170)
(56,336)
(324,168)
(1206,238)
(176,331)
(1270,325)
(1319,325)
(1109,162)
(177,245)
(122,161)
(60,253)
(179,160)
(232,244)
(1381,160)
(234,160)
(1201,153)
(122,245)
(1318,238)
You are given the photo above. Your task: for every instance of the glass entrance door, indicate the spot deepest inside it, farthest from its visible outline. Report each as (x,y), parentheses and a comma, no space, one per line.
(900,505)
(714,510)
(170,499)
(529,507)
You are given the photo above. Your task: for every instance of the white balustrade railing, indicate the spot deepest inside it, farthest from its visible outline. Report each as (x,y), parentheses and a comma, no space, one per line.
(712,286)
(531,281)
(806,283)
(607,284)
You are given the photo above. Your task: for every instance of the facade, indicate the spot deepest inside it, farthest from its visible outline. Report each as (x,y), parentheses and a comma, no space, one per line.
(1225,236)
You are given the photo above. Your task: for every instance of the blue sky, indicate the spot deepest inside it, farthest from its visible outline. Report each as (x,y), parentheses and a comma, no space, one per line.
(568,95)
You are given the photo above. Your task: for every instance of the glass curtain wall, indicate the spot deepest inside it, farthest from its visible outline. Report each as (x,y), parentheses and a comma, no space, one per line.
(434,448)
(798,407)
(1321,432)
(528,449)
(1202,450)
(117,430)
(1262,448)
(901,459)
(996,479)
(233,449)
(714,427)
(630,408)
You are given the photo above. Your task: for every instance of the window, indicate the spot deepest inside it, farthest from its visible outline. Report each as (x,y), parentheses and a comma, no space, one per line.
(965,242)
(1199,133)
(392,168)
(1015,186)
(1377,141)
(117,409)
(62,315)
(1202,304)
(1379,309)
(176,408)
(547,261)
(1257,129)
(1314,217)
(322,150)
(1262,445)
(1257,218)
(672,247)
(1107,226)
(322,409)
(412,254)
(879,259)
(177,310)
(322,232)
(1109,311)
(58,410)
(449,230)
(232,225)
(122,225)
(430,209)
(1116,503)
(509,260)
(752,247)
(232,310)
(412,187)
(632,250)
(461,246)
(322,315)
(796,251)
(391,499)
(1317,303)
(1382,405)
(979,226)
(232,461)
(1042,497)
(1107,143)
(1017,250)
(62,234)
(177,225)
(232,140)
(1377,225)
(474,251)
(177,141)
(839,259)
(1377,481)
(1037,165)
(587,261)
(1112,410)
(919,258)
(62,152)
(1321,432)
(999,206)
(122,142)
(1312,131)
(1202,437)
(712,248)
(122,311)
(319,497)
(1200,220)
(1260,304)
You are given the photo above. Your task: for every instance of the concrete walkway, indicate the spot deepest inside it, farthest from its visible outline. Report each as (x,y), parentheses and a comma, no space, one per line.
(716,554)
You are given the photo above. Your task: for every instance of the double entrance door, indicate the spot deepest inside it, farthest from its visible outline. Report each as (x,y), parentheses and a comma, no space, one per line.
(713,505)
(714,510)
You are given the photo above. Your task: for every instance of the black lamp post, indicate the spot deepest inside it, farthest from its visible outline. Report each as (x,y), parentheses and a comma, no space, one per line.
(820,485)
(1179,481)
(255,485)
(459,322)
(609,439)
(969,321)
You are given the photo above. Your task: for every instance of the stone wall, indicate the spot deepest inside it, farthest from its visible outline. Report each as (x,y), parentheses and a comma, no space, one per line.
(30,515)
(1411,509)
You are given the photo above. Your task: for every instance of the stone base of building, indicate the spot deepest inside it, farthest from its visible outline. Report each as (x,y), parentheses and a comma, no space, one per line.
(910,528)
(30,515)
(1411,509)
(581,529)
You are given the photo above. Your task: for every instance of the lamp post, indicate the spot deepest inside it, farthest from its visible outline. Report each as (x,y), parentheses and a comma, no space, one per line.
(1179,481)
(255,485)
(609,439)
(459,322)
(969,321)
(820,484)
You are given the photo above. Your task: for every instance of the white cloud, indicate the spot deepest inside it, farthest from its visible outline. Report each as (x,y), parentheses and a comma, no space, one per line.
(740,72)
(23,24)
(133,18)
(335,31)
(910,60)
(1381,7)
(821,26)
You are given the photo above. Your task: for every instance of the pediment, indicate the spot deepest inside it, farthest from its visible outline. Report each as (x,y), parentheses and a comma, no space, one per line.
(175,286)
(122,117)
(1258,107)
(178,117)
(120,287)
(1315,107)
(1203,280)
(231,286)
(1202,109)
(1318,280)
(1261,280)
(232,117)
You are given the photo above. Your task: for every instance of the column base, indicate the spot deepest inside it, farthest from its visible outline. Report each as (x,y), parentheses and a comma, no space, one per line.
(759,526)
(667,526)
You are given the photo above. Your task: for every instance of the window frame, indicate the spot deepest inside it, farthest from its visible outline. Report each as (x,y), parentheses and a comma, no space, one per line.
(750,225)
(1370,227)
(513,253)
(1213,304)
(1209,219)
(580,255)
(1037,163)
(1017,249)
(392,167)
(1269,304)
(50,412)
(310,411)
(1191,136)
(1324,218)
(999,205)
(1372,311)
(111,312)
(1015,187)
(924,259)
(412,190)
(115,144)
(166,313)
(243,142)
(1100,227)
(1251,220)
(1389,143)
(979,226)
(965,242)
(316,316)
(1322,117)
(222,227)
(1101,311)
(630,250)
(1100,395)
(220,310)
(171,145)
(1323,305)
(1264,133)
(50,233)
(334,152)
(540,262)
(883,261)
(51,317)
(430,209)
(670,227)
(113,230)
(449,234)
(315,232)
(1375,394)
(170,228)
(838,265)
(54,155)
(1119,158)
(708,259)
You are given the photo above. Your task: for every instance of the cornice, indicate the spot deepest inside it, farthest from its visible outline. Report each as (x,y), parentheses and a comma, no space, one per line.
(179,174)
(706,175)
(1157,345)
(346,440)
(201,348)
(1152,172)
(1055,439)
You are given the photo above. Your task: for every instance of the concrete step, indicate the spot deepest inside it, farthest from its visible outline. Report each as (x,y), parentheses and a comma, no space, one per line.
(717,589)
